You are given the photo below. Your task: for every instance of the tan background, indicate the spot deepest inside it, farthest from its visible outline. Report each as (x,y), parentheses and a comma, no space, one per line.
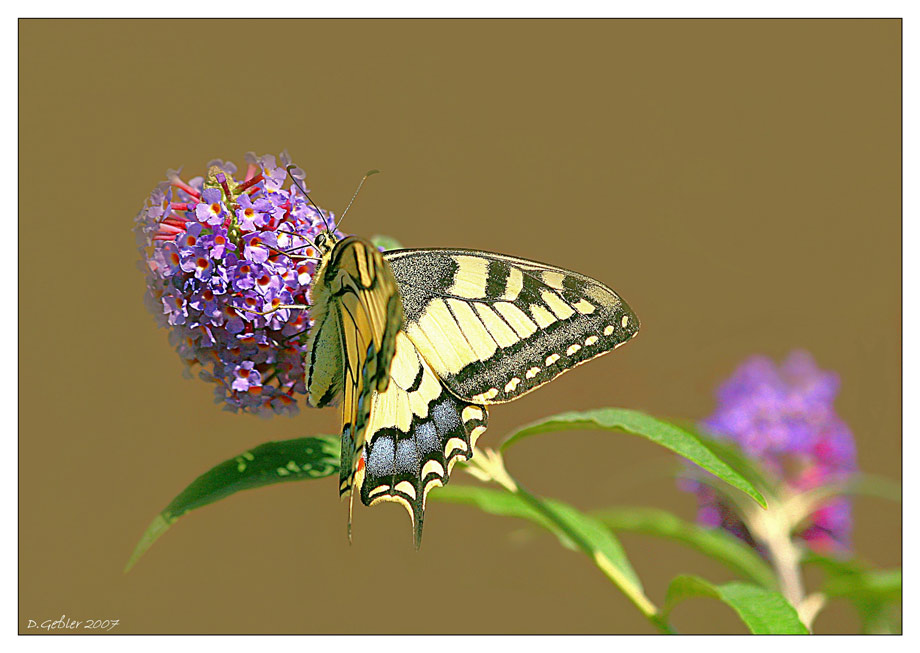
(738,183)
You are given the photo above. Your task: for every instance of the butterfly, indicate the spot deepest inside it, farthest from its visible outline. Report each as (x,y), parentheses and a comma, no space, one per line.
(416,344)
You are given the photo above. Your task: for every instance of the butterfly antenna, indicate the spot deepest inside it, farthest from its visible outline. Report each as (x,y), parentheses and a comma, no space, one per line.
(307,195)
(358,190)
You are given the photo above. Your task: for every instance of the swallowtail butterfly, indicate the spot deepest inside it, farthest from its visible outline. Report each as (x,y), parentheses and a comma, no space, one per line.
(417,343)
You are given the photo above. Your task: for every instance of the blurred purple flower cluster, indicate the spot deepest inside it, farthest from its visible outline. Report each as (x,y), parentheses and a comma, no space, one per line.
(217,251)
(784,418)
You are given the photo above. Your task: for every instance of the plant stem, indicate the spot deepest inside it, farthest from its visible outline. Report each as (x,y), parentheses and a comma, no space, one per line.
(785,558)
(811,606)
(773,529)
(488,465)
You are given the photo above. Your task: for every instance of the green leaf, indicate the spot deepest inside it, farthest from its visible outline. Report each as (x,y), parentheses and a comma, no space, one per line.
(881,584)
(667,435)
(875,593)
(765,612)
(852,579)
(386,242)
(266,464)
(732,455)
(715,543)
(494,502)
(499,502)
(870,485)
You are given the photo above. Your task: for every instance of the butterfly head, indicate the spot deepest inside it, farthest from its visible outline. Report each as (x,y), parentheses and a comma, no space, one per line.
(325,241)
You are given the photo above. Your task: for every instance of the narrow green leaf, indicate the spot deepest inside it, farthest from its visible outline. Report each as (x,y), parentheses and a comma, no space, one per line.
(853,579)
(386,242)
(494,502)
(870,485)
(731,454)
(590,530)
(667,435)
(874,593)
(880,584)
(715,543)
(266,464)
(765,612)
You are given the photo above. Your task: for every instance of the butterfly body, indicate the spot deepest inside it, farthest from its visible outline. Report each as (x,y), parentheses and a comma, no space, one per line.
(417,343)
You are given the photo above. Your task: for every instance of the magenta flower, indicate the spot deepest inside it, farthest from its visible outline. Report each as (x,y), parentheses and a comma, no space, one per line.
(784,419)
(217,251)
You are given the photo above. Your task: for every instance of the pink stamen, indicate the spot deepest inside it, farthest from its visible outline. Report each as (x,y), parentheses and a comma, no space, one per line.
(178,183)
(250,171)
(179,206)
(174,221)
(166,228)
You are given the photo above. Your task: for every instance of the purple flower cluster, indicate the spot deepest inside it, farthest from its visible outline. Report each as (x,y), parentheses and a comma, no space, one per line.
(784,418)
(220,251)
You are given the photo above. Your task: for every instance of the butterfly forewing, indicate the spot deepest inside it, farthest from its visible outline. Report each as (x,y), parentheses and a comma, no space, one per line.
(495,327)
(355,299)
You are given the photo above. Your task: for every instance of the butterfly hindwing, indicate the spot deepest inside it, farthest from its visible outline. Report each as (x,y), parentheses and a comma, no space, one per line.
(325,371)
(417,431)
(495,327)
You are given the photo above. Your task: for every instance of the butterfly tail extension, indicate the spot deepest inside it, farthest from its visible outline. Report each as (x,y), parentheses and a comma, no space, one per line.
(474,420)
